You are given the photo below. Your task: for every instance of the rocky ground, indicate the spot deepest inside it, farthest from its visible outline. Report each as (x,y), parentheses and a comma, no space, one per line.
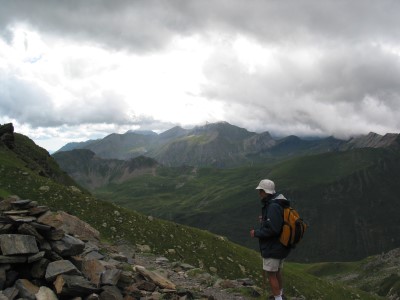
(203,284)
(48,255)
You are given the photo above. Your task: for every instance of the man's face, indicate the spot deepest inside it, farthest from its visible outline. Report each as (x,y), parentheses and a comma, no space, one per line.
(262,194)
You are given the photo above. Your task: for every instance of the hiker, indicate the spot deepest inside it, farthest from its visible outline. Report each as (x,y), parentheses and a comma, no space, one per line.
(271,221)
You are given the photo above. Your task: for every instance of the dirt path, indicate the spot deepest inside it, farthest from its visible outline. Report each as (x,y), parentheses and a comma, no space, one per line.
(201,284)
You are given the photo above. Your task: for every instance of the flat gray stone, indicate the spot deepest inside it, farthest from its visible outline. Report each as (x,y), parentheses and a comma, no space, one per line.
(18,244)
(36,257)
(36,211)
(23,219)
(15,212)
(110,276)
(59,267)
(68,246)
(28,229)
(21,203)
(93,255)
(12,259)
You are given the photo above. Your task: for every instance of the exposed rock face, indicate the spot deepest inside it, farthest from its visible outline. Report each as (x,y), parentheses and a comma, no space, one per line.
(7,135)
(258,143)
(372,140)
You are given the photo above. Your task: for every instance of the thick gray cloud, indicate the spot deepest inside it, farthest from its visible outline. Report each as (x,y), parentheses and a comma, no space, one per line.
(346,90)
(347,82)
(149,24)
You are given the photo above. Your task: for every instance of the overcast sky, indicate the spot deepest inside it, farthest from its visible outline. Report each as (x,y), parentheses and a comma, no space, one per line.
(77,70)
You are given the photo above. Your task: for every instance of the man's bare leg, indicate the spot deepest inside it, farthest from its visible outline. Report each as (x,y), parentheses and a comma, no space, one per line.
(280,281)
(274,282)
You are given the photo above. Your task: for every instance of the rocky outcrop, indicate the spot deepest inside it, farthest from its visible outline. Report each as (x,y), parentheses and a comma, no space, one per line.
(7,135)
(372,140)
(258,143)
(49,255)
(53,255)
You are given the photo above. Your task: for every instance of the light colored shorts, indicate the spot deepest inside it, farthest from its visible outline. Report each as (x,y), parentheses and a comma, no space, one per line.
(272,264)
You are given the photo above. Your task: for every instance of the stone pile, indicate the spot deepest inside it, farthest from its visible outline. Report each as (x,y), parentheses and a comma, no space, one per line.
(48,255)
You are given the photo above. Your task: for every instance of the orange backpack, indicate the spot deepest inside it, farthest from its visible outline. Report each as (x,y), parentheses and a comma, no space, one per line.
(293,227)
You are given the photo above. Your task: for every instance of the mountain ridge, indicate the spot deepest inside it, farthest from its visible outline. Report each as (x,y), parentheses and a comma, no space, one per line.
(222,145)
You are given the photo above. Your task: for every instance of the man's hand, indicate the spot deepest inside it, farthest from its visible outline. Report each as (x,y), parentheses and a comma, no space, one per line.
(252,233)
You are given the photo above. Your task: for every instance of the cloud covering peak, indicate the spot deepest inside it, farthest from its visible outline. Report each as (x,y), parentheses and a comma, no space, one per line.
(303,67)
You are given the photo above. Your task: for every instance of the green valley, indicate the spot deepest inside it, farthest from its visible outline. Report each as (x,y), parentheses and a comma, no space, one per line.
(348,198)
(29,172)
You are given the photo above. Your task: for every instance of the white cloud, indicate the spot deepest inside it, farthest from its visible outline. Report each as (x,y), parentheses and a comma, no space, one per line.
(304,67)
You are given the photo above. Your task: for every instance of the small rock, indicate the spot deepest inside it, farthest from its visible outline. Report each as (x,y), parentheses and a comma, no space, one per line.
(161,260)
(44,188)
(144,248)
(146,286)
(111,293)
(171,251)
(35,257)
(26,289)
(110,277)
(45,293)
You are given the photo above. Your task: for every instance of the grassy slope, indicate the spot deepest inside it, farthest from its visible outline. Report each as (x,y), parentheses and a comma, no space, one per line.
(202,190)
(379,273)
(194,246)
(330,190)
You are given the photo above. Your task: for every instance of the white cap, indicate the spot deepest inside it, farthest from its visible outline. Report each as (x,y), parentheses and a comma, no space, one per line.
(267,185)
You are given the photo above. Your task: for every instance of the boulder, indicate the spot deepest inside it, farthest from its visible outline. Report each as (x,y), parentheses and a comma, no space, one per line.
(68,246)
(59,267)
(156,278)
(74,225)
(11,244)
(6,128)
(67,285)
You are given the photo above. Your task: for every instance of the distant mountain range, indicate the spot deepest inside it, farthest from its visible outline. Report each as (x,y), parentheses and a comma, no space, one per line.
(220,145)
(347,191)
